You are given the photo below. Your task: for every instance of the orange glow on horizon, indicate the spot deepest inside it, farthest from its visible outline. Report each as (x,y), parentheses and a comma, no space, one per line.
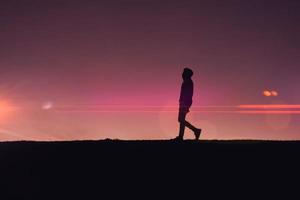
(6,110)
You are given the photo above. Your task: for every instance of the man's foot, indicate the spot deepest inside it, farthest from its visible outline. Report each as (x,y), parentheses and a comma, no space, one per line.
(178,138)
(197,133)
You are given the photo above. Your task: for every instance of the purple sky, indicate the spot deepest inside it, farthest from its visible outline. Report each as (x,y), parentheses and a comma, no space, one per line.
(132,53)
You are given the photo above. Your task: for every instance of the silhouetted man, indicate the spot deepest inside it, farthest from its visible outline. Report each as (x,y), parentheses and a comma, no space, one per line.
(185,102)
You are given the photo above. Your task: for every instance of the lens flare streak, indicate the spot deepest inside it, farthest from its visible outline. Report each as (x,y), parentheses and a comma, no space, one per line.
(239,109)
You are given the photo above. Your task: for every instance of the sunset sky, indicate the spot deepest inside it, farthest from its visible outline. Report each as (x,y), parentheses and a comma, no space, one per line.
(85,69)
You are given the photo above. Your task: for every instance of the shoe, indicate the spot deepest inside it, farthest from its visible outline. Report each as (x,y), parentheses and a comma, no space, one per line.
(178,139)
(197,133)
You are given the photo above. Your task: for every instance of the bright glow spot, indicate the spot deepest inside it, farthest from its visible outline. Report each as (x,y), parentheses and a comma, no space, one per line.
(267,93)
(47,105)
(274,93)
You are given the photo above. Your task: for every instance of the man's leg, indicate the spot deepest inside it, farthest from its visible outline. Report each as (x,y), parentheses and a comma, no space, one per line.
(190,126)
(196,131)
(181,130)
(181,120)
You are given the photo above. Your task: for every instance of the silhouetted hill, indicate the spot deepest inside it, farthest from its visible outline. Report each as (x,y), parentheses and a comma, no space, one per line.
(97,169)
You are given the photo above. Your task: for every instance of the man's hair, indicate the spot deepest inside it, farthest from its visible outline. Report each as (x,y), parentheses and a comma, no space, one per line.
(188,72)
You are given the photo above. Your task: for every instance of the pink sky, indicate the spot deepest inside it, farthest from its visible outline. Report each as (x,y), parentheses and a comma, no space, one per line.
(60,61)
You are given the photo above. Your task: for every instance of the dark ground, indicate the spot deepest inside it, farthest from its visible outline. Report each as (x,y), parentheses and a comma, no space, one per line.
(154,169)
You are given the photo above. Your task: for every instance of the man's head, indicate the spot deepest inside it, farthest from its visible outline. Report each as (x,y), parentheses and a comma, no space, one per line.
(187,73)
